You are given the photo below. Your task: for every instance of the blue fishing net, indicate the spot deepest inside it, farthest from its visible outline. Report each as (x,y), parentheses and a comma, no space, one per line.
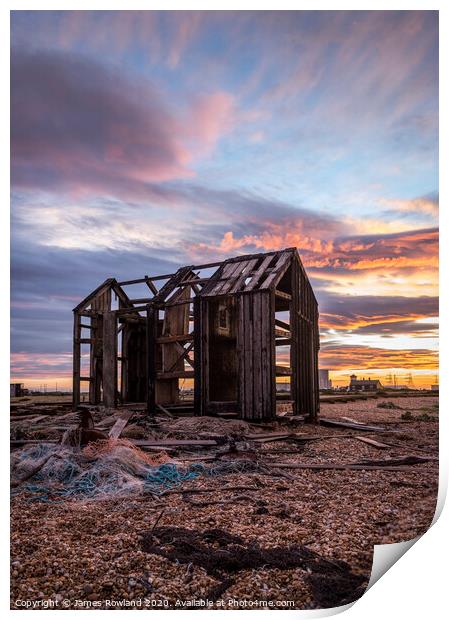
(120,472)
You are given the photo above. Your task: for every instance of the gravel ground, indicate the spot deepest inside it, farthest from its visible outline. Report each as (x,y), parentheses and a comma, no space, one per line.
(89,553)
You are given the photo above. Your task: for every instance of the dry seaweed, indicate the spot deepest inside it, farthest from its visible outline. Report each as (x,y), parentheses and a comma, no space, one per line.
(221,553)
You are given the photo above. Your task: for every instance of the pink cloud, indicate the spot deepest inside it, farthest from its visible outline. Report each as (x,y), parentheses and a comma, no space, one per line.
(85,128)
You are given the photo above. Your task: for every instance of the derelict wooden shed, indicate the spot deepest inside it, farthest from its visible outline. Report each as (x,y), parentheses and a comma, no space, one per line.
(235,329)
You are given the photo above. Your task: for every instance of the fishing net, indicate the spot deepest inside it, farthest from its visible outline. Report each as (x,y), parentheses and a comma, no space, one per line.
(104,469)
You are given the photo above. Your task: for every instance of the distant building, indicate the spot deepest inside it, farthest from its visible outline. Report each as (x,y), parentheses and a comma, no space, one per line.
(364,385)
(16,389)
(323,378)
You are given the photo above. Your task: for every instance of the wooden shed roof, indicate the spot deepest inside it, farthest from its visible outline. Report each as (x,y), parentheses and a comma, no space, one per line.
(241,274)
(248,273)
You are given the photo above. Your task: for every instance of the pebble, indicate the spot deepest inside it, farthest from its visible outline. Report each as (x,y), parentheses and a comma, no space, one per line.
(87,563)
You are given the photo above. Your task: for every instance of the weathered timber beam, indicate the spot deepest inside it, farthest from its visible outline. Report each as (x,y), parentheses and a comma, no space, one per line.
(282,324)
(282,333)
(182,302)
(141,300)
(281,342)
(283,371)
(131,309)
(180,338)
(282,295)
(197,281)
(178,374)
(184,355)
(165,276)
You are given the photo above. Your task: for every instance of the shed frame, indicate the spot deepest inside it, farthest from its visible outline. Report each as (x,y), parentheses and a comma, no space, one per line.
(216,324)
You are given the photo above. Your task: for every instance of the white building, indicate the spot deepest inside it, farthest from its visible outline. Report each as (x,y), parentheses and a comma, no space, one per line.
(323,376)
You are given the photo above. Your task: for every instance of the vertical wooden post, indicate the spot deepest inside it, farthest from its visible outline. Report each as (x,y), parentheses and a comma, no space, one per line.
(152,319)
(198,356)
(109,359)
(294,378)
(76,359)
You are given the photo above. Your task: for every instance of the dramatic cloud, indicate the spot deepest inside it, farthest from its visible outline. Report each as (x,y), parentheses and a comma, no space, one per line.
(80,126)
(340,312)
(342,357)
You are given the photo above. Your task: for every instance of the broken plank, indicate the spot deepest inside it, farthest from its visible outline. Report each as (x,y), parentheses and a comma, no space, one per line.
(174,442)
(273,436)
(357,427)
(164,410)
(372,442)
(30,420)
(120,424)
(348,466)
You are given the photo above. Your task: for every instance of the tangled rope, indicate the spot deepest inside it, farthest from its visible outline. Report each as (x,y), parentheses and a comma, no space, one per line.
(106,469)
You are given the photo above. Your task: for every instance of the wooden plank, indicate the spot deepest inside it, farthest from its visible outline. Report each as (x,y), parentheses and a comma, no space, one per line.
(257,350)
(349,466)
(358,427)
(151,333)
(248,357)
(283,371)
(178,338)
(237,283)
(372,442)
(109,359)
(279,269)
(95,293)
(265,356)
(282,295)
(197,342)
(183,355)
(174,442)
(164,410)
(76,359)
(151,285)
(120,424)
(230,273)
(177,374)
(259,273)
(283,342)
(282,324)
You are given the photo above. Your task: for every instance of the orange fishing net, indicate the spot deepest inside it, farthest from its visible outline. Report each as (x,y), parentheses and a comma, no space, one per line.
(103,447)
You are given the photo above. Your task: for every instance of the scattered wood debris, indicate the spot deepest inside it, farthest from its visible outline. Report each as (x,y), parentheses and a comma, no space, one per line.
(321,488)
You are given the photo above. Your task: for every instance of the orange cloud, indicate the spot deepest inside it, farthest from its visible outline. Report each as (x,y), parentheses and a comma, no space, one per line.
(346,357)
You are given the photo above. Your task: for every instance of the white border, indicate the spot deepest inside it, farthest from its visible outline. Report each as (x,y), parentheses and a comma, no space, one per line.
(416,585)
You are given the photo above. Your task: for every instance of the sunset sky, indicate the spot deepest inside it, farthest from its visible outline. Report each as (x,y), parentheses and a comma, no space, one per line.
(142,141)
